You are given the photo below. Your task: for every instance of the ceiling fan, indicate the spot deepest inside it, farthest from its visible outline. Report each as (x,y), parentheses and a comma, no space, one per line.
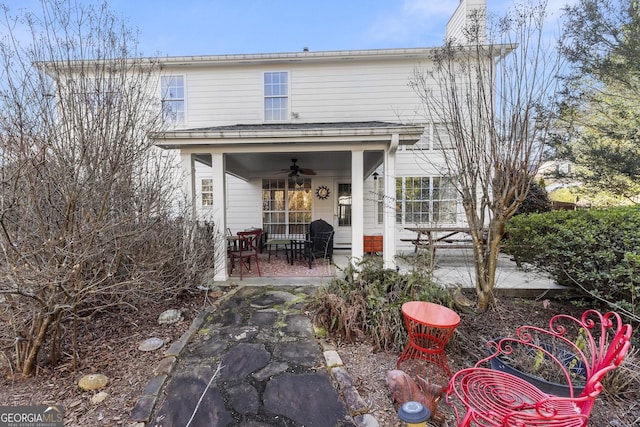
(295,170)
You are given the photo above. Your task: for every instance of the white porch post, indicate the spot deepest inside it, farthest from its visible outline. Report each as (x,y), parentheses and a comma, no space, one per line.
(219,216)
(357,205)
(388,207)
(189,184)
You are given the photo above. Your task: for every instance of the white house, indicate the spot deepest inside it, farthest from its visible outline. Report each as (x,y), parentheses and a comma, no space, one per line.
(248,127)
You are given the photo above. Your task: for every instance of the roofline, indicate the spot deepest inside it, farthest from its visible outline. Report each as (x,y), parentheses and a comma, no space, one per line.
(408,134)
(304,56)
(271,58)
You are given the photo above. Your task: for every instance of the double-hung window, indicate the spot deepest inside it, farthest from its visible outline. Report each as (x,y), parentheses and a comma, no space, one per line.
(172,95)
(426,200)
(100,95)
(436,136)
(276,96)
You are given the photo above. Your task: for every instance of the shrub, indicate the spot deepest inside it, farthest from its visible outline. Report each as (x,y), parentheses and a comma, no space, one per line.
(537,200)
(366,303)
(595,251)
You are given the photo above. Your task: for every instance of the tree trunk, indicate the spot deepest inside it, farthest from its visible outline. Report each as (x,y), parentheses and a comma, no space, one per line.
(30,361)
(486,260)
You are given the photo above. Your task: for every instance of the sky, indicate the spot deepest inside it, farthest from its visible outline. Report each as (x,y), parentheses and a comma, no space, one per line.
(215,27)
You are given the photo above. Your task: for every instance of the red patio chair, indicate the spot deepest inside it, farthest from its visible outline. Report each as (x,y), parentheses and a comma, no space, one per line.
(588,347)
(248,247)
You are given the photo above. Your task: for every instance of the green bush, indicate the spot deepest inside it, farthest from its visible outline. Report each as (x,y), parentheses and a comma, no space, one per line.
(366,304)
(595,251)
(537,200)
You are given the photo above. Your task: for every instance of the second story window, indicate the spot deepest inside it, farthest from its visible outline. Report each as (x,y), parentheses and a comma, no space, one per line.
(436,136)
(442,139)
(172,93)
(276,96)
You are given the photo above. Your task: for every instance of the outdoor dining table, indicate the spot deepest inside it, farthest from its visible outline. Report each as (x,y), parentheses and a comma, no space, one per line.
(439,237)
(285,243)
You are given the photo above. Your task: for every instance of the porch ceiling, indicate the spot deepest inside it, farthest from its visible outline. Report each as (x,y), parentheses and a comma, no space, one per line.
(251,165)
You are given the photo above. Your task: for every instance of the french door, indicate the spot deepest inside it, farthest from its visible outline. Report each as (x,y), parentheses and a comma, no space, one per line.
(286,206)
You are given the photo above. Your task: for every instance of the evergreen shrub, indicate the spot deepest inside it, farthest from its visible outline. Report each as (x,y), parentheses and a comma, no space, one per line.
(594,251)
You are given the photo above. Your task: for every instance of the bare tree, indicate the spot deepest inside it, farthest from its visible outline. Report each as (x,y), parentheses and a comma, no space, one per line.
(87,214)
(489,92)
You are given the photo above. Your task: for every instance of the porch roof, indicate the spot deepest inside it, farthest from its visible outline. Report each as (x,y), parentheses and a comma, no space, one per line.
(283,133)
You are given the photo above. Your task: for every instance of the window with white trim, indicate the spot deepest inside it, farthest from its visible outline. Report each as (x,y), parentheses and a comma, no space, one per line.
(99,95)
(172,97)
(436,136)
(441,137)
(286,206)
(426,200)
(207,192)
(276,96)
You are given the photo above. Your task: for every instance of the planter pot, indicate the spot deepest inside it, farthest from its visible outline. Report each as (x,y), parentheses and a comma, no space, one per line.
(561,390)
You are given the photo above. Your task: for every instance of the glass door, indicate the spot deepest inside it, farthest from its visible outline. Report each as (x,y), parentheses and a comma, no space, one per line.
(286,206)
(343,209)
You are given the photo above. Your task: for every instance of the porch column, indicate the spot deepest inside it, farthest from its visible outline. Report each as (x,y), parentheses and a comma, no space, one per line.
(357,205)
(219,217)
(187,166)
(388,207)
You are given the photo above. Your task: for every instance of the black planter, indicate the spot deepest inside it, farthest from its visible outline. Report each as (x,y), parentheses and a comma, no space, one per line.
(561,390)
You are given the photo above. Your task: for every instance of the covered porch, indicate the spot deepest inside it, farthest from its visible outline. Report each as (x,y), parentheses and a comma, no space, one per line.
(248,164)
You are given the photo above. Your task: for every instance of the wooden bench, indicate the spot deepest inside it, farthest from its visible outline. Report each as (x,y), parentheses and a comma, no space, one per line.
(580,351)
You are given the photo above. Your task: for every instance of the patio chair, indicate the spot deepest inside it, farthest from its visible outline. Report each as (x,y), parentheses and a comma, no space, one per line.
(248,247)
(321,240)
(317,244)
(581,351)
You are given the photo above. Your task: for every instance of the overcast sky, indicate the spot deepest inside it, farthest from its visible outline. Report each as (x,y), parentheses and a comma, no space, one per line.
(212,27)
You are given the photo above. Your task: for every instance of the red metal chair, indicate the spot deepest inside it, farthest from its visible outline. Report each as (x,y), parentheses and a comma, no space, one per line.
(248,247)
(588,348)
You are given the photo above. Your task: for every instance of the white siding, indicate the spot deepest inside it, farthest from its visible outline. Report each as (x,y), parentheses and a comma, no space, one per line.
(319,93)
(244,204)
(455,29)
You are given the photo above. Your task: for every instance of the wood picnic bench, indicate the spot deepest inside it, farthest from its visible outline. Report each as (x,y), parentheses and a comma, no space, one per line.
(580,351)
(433,238)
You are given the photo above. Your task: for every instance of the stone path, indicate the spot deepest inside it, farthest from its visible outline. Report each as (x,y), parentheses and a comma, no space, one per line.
(252,361)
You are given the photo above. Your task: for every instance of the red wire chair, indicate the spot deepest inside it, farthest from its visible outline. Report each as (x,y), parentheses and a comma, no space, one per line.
(593,345)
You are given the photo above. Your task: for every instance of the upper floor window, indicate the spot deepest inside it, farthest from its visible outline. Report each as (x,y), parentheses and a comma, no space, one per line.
(276,96)
(436,136)
(99,95)
(172,94)
(441,137)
